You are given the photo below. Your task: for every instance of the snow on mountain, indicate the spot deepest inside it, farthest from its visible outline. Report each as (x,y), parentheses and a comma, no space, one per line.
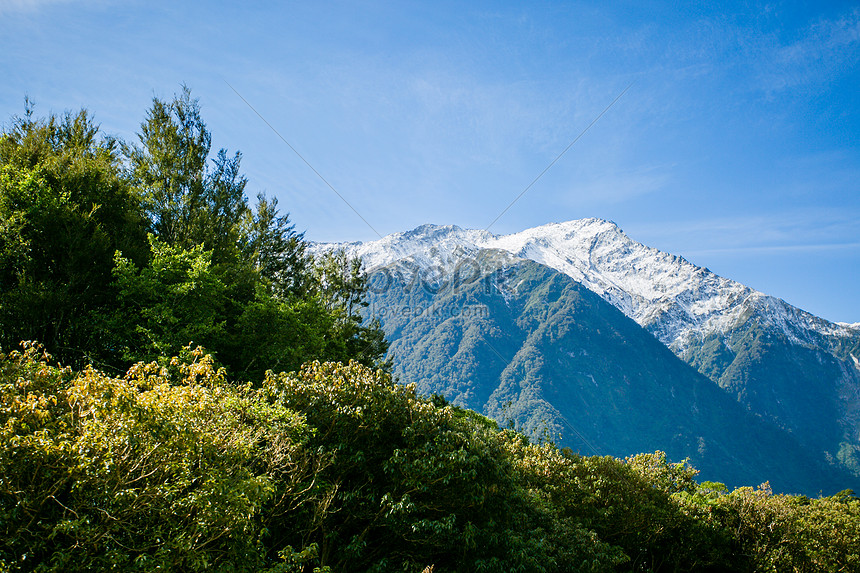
(677,301)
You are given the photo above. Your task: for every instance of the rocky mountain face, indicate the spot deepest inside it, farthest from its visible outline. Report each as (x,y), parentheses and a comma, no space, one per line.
(795,374)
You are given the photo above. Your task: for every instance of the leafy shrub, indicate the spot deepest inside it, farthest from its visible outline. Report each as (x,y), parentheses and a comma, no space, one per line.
(166,468)
(413,484)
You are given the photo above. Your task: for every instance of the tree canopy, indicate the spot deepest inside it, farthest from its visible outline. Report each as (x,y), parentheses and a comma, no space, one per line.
(114,252)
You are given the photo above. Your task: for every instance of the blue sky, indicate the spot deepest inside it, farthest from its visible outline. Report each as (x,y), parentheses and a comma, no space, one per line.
(737,144)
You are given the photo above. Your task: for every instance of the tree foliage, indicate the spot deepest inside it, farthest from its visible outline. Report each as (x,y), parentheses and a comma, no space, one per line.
(168,467)
(113,253)
(65,208)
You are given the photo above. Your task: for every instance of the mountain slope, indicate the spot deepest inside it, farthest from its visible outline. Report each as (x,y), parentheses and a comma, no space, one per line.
(678,301)
(798,371)
(525,344)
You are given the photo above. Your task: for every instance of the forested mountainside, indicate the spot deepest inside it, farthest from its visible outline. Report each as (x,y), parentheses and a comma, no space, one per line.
(799,372)
(531,347)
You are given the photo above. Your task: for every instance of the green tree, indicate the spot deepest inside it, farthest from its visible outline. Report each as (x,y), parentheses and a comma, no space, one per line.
(278,307)
(341,286)
(169,168)
(78,274)
(64,210)
(176,299)
(829,531)
(278,251)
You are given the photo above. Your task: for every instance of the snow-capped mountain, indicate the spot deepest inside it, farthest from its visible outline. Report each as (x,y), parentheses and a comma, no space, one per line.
(797,371)
(680,303)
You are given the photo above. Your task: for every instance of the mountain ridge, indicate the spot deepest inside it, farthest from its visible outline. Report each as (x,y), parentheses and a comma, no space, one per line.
(643,298)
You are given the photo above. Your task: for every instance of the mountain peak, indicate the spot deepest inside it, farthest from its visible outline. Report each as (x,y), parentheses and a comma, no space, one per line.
(432,229)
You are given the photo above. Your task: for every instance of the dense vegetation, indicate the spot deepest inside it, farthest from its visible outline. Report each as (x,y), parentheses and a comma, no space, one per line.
(132,450)
(177,467)
(778,378)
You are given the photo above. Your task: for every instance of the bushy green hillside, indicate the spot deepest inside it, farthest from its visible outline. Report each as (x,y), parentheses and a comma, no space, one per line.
(175,467)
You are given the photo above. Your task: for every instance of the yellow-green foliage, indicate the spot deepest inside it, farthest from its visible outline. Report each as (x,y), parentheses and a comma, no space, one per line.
(165,467)
(783,532)
(172,467)
(412,484)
